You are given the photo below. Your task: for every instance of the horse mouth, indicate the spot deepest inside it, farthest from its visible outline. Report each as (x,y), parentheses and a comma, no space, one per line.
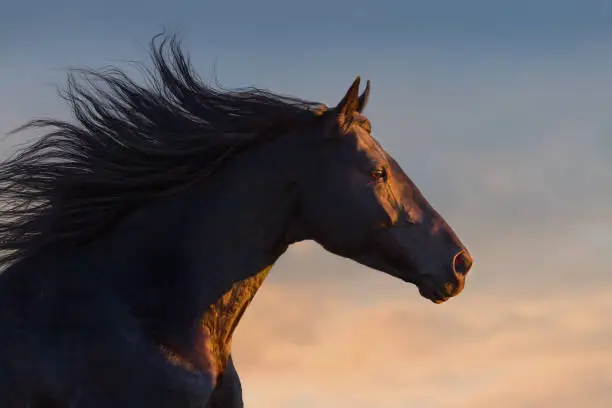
(427,287)
(407,272)
(433,292)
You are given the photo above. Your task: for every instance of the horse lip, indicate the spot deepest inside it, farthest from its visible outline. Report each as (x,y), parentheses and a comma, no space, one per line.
(425,284)
(406,272)
(431,291)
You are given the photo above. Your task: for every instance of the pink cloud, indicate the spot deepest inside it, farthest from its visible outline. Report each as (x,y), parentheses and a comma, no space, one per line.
(403,353)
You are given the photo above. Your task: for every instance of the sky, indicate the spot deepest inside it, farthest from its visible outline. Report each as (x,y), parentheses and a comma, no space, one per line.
(500,111)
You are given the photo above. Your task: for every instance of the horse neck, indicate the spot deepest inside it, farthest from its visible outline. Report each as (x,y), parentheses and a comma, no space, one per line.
(245,217)
(194,249)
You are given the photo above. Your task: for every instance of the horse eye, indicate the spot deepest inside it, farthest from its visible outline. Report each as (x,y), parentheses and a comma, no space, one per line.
(379,174)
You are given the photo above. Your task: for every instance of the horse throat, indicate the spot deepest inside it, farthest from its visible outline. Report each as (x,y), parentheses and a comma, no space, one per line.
(217,326)
(220,320)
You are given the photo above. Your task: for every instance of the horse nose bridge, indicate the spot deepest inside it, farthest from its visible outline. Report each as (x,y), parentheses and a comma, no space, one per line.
(451,249)
(438,227)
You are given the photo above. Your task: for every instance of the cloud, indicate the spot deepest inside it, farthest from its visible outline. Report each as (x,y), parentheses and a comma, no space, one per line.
(515,152)
(483,351)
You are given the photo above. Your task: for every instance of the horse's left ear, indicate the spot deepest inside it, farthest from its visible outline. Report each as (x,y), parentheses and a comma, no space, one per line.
(351,103)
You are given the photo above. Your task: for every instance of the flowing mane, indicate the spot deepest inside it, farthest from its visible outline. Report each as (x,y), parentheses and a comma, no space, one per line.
(130,145)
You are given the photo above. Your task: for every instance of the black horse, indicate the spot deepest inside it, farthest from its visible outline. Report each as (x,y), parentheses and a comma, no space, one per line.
(134,239)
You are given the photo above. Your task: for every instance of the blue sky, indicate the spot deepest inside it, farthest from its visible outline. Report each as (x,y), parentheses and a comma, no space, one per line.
(319,24)
(499,111)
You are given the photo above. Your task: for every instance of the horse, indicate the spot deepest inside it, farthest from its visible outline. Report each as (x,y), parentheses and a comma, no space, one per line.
(135,235)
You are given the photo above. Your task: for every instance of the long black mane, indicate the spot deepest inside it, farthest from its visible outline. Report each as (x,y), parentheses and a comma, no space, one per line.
(131,144)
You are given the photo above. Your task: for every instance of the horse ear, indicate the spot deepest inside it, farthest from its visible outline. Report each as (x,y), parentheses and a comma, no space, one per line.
(363,99)
(350,103)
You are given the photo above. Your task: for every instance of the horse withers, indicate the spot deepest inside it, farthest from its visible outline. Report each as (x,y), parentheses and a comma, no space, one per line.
(134,238)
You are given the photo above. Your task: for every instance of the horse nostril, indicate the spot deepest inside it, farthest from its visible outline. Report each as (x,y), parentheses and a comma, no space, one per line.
(462,263)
